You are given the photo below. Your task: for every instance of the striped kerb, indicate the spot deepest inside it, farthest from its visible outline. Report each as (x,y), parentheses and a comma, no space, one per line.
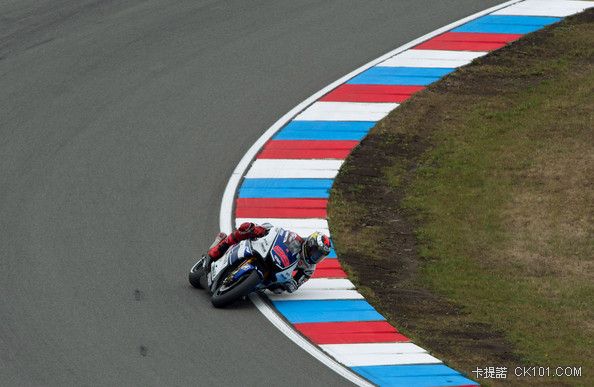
(289,183)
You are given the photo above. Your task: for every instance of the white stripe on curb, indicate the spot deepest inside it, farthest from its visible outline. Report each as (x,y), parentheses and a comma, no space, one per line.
(354,355)
(313,169)
(432,58)
(546,8)
(316,294)
(327,284)
(301,226)
(303,231)
(288,224)
(346,111)
(375,348)
(357,360)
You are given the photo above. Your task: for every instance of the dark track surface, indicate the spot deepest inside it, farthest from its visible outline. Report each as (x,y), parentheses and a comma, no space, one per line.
(120,122)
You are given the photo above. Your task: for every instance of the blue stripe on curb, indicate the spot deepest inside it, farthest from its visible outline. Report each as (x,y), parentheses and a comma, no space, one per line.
(413,375)
(325,130)
(421,76)
(285,188)
(501,24)
(327,311)
(332,253)
(322,135)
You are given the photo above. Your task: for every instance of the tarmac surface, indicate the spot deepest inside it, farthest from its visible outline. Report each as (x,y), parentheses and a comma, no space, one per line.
(120,122)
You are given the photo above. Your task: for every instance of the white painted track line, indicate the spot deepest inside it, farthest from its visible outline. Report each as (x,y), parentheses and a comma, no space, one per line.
(316,294)
(432,58)
(346,111)
(315,169)
(546,8)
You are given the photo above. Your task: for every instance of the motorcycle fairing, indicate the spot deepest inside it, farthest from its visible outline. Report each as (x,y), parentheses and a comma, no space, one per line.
(239,251)
(233,255)
(281,253)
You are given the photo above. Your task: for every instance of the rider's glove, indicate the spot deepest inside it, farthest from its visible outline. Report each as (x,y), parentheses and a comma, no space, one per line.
(291,285)
(259,231)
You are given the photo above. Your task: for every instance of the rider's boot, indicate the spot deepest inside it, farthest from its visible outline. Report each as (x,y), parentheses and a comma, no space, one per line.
(208,259)
(220,236)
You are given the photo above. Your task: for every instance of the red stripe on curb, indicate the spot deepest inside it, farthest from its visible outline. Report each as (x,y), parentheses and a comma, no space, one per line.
(305,154)
(351,332)
(371,93)
(301,149)
(468,41)
(299,203)
(281,208)
(329,264)
(329,268)
(329,273)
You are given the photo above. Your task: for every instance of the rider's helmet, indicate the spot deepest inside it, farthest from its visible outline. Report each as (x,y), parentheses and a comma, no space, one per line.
(315,248)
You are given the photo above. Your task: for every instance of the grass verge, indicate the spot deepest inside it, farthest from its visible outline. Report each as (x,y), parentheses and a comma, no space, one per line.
(468,213)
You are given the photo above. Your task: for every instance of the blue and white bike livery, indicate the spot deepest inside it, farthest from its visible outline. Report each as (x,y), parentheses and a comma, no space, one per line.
(248,266)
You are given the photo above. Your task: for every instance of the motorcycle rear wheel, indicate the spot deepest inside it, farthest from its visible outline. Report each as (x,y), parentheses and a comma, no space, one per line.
(197,276)
(241,289)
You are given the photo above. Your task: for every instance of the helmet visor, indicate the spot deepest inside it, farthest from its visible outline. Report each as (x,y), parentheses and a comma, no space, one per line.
(313,254)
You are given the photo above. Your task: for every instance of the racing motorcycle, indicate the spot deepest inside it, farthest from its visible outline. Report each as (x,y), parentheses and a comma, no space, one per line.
(248,266)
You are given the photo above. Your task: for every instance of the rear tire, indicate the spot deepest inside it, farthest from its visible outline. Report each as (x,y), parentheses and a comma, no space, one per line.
(197,276)
(242,289)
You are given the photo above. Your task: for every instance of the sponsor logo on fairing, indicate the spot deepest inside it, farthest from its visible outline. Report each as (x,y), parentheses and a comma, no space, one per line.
(282,255)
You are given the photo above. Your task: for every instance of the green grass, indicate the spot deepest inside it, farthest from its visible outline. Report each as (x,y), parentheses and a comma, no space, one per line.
(498,229)
(501,199)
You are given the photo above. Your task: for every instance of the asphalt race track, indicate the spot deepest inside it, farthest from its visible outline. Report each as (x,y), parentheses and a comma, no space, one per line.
(120,122)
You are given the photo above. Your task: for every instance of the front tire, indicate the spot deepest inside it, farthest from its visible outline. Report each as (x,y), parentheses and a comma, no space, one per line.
(245,287)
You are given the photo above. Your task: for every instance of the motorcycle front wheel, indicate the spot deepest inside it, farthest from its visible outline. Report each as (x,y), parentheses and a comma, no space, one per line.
(224,296)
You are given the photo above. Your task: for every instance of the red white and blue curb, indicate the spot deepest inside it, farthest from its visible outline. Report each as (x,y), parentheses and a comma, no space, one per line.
(286,176)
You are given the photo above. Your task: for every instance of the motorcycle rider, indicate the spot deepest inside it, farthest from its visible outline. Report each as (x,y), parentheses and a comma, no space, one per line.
(313,250)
